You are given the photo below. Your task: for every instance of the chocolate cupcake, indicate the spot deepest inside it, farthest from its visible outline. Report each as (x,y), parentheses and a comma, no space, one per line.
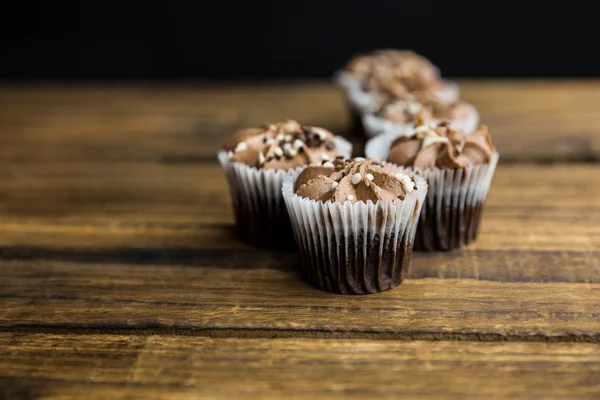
(458,168)
(256,160)
(386,75)
(398,117)
(354,223)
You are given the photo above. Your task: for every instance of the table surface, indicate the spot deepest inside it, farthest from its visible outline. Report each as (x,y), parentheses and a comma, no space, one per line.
(120,276)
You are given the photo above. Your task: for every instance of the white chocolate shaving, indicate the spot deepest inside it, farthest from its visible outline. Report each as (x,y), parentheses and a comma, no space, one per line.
(421,129)
(241,146)
(414,108)
(431,139)
(320,133)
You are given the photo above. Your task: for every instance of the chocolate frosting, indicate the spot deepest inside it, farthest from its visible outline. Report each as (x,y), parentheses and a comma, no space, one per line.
(423,105)
(281,146)
(353,180)
(441,146)
(393,74)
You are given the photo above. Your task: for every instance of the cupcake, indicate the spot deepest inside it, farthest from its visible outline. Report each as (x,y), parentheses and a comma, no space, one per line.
(385,75)
(458,168)
(256,160)
(398,116)
(354,223)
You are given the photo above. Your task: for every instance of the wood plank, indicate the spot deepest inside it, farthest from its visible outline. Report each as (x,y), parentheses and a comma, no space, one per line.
(530,121)
(159,214)
(261,302)
(65,366)
(110,191)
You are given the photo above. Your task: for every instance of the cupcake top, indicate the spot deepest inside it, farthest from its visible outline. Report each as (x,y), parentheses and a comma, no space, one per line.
(394,73)
(281,146)
(441,146)
(424,105)
(353,180)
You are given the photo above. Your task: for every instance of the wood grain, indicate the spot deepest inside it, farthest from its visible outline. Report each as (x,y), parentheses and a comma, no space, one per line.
(122,183)
(63,367)
(163,214)
(120,276)
(530,121)
(146,245)
(262,302)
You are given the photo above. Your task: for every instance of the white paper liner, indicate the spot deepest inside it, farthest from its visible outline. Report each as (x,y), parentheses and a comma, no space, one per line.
(358,248)
(261,216)
(379,146)
(364,102)
(375,125)
(452,213)
(453,209)
(450,92)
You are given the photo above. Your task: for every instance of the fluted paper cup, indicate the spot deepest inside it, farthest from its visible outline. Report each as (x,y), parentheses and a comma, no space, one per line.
(453,209)
(360,100)
(375,125)
(260,213)
(359,248)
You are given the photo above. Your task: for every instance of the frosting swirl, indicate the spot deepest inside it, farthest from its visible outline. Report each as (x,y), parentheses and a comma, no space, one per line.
(423,105)
(354,180)
(441,146)
(393,74)
(281,146)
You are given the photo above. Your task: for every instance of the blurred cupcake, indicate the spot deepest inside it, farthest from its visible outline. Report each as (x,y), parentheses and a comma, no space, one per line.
(398,117)
(256,160)
(385,75)
(458,168)
(354,223)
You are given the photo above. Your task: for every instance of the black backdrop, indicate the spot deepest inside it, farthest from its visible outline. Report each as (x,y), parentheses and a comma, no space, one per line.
(292,39)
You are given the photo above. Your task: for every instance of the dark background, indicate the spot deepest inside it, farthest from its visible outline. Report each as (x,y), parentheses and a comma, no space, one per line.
(243,40)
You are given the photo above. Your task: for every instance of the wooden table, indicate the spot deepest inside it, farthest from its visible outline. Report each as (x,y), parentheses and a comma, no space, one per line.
(120,276)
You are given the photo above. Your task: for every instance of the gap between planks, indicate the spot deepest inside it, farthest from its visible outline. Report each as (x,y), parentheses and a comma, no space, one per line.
(249,333)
